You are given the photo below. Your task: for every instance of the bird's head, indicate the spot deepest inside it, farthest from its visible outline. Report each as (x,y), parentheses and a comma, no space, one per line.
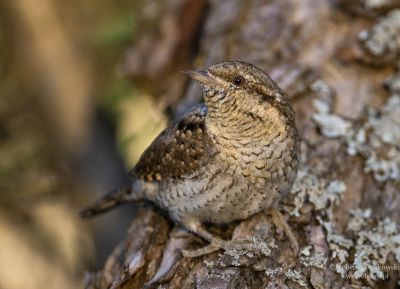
(235,83)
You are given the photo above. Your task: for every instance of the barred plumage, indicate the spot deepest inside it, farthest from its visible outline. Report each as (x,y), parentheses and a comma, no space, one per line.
(227,159)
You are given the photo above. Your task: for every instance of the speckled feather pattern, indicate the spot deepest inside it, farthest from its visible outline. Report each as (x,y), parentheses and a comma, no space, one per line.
(178,150)
(226,159)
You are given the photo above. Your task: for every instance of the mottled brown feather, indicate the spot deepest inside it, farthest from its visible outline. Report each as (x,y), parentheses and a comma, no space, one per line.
(178,150)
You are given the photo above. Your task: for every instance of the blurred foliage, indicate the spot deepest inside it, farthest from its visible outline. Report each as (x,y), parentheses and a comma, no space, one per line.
(117,91)
(115,33)
(40,189)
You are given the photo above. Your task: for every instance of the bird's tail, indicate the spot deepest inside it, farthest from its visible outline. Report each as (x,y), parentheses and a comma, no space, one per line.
(108,202)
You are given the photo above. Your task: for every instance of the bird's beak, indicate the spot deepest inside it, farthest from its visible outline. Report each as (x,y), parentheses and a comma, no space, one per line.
(201,76)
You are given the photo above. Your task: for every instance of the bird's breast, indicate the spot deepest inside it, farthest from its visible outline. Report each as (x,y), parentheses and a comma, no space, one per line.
(254,165)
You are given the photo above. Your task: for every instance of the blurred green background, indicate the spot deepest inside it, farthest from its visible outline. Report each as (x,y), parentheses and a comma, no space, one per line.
(71,125)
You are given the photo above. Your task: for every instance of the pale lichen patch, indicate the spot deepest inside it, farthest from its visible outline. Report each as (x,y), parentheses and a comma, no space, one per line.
(376,139)
(265,247)
(317,260)
(297,277)
(365,247)
(256,246)
(332,125)
(358,220)
(273,271)
(380,241)
(371,247)
(377,4)
(320,192)
(339,245)
(383,40)
(209,264)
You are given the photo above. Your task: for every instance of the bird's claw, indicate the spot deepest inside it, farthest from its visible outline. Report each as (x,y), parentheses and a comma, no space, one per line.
(200,252)
(241,247)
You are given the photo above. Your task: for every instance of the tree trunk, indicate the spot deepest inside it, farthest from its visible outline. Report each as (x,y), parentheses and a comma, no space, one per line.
(337,60)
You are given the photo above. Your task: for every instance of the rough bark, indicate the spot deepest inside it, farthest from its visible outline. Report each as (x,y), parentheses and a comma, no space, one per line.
(337,61)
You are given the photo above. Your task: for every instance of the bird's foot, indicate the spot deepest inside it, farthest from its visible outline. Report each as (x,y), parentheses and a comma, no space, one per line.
(210,248)
(280,224)
(237,247)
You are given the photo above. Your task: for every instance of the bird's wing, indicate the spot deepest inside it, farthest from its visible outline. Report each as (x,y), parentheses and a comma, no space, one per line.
(177,151)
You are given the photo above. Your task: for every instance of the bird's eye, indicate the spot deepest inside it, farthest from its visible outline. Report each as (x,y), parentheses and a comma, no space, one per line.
(238,80)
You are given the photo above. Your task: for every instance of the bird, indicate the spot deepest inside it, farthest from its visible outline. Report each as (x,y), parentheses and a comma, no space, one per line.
(226,159)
